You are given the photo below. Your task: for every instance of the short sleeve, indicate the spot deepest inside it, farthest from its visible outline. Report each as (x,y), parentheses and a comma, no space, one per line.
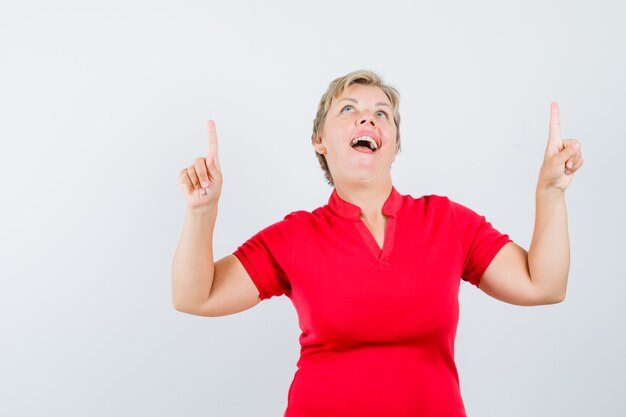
(479,239)
(266,257)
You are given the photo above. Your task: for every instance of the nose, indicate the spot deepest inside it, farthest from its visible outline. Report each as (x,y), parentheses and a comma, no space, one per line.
(367,119)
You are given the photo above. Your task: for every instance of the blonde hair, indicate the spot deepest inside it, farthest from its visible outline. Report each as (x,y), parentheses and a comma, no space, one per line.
(336,87)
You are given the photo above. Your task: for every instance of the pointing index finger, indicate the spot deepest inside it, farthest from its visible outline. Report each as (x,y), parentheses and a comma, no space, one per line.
(212,138)
(555,123)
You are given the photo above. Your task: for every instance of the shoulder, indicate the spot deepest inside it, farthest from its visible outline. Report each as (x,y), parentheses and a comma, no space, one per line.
(299,219)
(301,215)
(436,202)
(427,203)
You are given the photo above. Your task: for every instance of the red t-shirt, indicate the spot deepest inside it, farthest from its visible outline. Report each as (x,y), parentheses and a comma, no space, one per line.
(378,326)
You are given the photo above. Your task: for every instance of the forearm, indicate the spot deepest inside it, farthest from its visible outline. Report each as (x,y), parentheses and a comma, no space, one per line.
(549,253)
(193,265)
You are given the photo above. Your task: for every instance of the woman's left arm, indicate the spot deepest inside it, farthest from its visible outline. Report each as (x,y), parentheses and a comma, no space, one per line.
(539,276)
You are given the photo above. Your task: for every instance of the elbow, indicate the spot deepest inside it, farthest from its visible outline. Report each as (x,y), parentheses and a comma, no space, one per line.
(550,294)
(559,298)
(185,308)
(554,298)
(176,301)
(191,308)
(178,306)
(181,301)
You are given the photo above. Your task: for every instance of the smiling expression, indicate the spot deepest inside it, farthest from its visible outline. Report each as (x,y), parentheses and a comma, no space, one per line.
(359,134)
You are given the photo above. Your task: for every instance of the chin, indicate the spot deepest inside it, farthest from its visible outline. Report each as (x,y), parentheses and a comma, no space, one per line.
(360,178)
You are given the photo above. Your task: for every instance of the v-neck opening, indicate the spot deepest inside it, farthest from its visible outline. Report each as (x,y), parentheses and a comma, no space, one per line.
(381,254)
(352,212)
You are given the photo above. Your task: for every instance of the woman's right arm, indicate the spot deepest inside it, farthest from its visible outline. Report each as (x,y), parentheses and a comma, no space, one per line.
(201,286)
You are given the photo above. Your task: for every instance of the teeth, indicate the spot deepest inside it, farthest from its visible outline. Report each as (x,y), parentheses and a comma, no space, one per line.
(373,144)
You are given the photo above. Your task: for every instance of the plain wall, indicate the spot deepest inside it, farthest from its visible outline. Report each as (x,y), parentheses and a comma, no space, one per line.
(101,106)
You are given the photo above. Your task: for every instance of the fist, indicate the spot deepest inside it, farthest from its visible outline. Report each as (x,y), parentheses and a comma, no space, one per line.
(201,182)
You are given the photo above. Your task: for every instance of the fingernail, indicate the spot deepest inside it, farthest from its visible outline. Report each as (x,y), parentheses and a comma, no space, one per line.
(201,191)
(205,184)
(570,164)
(577,146)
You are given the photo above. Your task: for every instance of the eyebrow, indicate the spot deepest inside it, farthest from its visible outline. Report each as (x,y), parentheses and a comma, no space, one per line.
(380,103)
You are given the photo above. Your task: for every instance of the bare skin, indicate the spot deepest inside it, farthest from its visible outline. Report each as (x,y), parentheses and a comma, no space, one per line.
(377,230)
(201,286)
(539,276)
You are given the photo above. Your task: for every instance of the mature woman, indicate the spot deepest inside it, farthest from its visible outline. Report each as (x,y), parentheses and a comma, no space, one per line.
(374,275)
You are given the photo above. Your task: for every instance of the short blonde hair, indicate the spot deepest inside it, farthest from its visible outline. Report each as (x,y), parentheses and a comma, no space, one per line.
(336,87)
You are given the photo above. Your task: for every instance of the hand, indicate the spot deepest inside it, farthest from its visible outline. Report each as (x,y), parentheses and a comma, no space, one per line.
(202,182)
(562,159)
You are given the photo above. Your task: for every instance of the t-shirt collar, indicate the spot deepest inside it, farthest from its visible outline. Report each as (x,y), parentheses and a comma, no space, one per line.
(353,212)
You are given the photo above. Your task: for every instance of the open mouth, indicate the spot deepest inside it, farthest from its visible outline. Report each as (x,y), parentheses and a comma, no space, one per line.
(364,144)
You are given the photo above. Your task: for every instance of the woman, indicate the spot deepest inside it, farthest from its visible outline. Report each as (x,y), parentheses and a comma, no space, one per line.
(373,275)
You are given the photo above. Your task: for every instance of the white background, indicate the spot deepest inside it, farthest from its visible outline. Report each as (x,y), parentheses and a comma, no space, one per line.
(101,106)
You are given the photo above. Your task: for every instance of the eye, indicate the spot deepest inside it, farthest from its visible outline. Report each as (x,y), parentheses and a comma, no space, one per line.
(347,107)
(381,113)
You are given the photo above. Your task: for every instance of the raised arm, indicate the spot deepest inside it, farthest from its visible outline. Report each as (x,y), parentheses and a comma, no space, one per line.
(201,286)
(539,276)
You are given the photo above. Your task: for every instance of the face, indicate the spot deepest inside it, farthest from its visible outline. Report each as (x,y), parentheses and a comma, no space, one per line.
(359,112)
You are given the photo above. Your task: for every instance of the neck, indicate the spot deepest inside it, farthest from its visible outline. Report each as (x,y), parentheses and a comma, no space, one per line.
(369,197)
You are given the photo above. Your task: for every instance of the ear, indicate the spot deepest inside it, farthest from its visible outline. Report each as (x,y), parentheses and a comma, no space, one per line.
(319,145)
